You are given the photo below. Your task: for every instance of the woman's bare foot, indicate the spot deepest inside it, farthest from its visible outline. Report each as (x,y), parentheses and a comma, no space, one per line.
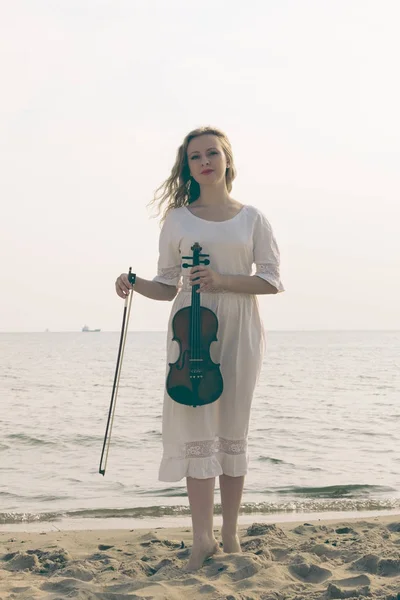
(231,543)
(201,550)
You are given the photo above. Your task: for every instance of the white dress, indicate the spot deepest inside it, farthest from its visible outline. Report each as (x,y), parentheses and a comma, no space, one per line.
(206,441)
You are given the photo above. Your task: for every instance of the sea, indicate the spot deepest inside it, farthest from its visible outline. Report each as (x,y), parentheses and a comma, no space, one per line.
(324,430)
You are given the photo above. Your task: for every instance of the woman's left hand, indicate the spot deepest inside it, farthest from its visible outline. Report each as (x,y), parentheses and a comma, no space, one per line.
(206,277)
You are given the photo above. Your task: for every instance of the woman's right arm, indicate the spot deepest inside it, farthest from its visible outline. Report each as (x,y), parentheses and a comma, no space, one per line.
(151,289)
(165,285)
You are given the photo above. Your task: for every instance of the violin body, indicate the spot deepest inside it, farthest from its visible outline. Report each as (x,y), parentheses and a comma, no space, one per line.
(194,379)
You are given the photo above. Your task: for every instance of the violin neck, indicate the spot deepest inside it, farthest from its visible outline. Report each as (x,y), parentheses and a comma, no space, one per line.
(195,324)
(195,296)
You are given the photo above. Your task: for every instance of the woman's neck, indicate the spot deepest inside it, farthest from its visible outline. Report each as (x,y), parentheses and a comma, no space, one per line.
(213,195)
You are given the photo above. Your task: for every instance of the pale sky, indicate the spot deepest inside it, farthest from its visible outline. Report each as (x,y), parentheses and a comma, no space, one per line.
(96,97)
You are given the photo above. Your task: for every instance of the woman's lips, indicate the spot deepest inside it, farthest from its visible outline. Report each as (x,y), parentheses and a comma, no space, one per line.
(207,172)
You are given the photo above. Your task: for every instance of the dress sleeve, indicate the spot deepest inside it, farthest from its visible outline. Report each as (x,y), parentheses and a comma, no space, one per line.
(266,253)
(169,258)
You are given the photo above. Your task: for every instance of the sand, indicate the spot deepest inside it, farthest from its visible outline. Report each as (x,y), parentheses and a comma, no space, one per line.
(304,560)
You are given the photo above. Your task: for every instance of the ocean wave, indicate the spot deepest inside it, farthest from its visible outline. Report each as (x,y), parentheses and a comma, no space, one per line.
(164,492)
(81,439)
(37,497)
(12,517)
(8,495)
(30,440)
(275,461)
(335,491)
(140,512)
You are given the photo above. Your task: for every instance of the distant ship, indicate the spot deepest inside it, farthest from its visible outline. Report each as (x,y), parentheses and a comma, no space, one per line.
(86,328)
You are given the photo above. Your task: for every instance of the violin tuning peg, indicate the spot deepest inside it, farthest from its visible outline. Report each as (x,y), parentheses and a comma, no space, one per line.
(206,262)
(185,265)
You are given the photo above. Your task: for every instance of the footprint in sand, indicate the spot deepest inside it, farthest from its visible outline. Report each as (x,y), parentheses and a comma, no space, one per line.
(21,561)
(368,563)
(81,570)
(394,527)
(352,582)
(389,567)
(237,566)
(67,587)
(38,561)
(104,547)
(24,589)
(373,564)
(310,573)
(270,529)
(334,592)
(257,546)
(308,528)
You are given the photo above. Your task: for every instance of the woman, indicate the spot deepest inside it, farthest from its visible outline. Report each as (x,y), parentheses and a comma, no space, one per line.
(208,441)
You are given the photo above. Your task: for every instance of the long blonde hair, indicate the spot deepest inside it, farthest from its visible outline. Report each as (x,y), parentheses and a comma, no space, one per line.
(180,189)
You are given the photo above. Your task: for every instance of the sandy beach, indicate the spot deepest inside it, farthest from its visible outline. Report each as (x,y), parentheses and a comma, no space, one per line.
(302,560)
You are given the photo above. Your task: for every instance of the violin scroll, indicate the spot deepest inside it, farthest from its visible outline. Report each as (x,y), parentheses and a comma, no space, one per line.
(196,248)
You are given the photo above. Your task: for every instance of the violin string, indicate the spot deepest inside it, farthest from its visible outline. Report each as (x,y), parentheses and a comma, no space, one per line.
(198,332)
(195,321)
(192,326)
(198,328)
(196,262)
(197,315)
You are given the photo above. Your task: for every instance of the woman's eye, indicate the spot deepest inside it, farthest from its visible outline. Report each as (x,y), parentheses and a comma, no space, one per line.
(194,157)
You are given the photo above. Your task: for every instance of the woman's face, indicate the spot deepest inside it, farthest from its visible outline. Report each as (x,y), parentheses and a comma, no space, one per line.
(206,159)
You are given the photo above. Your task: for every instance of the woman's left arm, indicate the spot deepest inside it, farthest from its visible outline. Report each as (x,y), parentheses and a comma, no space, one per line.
(246,284)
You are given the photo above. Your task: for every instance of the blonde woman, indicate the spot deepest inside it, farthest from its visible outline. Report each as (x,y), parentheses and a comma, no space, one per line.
(208,441)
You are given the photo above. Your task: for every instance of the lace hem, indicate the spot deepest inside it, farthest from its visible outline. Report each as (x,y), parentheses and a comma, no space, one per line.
(169,275)
(169,272)
(175,466)
(207,448)
(270,272)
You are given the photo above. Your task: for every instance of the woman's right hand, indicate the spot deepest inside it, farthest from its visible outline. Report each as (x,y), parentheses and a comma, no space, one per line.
(123,286)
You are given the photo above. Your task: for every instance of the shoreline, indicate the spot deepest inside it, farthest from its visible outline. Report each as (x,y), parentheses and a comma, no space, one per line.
(170,522)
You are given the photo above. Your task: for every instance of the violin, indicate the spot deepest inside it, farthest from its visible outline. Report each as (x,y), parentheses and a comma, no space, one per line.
(194,379)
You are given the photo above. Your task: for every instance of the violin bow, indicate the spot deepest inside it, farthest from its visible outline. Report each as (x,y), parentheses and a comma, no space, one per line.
(124,330)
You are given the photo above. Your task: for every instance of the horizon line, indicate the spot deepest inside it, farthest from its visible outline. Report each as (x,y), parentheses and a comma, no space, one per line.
(166,331)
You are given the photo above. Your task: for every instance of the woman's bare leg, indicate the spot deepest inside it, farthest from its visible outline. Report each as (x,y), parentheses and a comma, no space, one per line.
(231,489)
(201,500)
